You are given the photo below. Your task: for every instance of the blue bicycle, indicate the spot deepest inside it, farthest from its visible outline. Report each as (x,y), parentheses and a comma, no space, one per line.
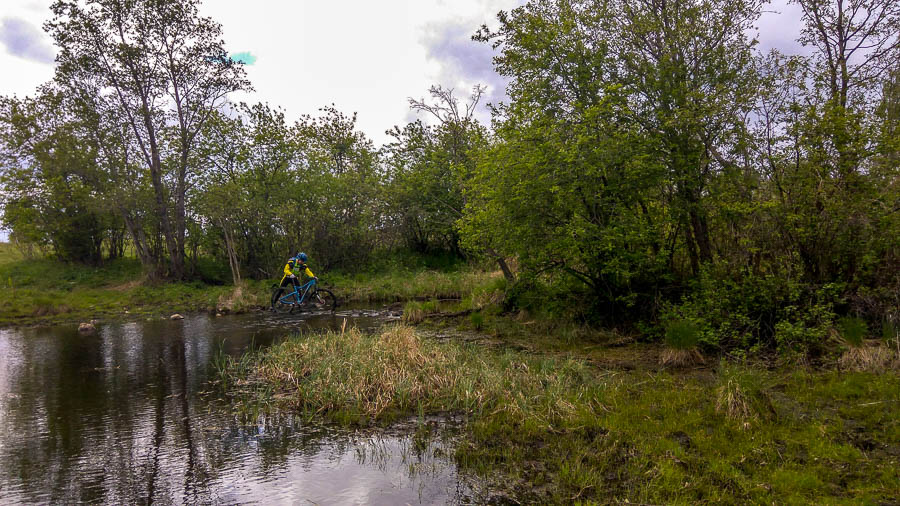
(306,296)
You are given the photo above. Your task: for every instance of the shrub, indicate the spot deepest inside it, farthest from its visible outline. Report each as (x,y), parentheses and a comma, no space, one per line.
(753,312)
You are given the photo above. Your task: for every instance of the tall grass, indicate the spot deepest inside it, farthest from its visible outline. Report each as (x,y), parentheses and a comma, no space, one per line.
(406,285)
(859,355)
(853,330)
(682,337)
(357,377)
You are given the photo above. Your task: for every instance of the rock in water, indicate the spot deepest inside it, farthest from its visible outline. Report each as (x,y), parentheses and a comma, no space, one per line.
(87,328)
(176,316)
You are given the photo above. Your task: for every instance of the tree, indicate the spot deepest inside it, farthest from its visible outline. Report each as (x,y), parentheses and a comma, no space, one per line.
(167,71)
(856,42)
(622,116)
(689,63)
(54,189)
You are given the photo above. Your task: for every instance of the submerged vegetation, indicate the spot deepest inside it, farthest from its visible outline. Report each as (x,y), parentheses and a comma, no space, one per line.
(558,429)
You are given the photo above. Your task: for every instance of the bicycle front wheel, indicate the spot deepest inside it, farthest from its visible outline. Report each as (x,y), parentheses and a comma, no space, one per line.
(323,300)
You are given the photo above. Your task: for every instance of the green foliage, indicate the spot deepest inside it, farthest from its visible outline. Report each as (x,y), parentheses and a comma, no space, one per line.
(758,312)
(51,180)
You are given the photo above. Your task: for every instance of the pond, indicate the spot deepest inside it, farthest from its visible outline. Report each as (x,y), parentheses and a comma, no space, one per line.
(126,416)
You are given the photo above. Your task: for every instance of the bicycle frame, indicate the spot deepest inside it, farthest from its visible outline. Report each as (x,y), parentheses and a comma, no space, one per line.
(298,296)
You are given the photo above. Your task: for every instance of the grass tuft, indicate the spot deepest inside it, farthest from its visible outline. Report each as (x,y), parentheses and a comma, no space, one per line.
(853,330)
(682,335)
(874,357)
(741,394)
(417,311)
(477,320)
(355,376)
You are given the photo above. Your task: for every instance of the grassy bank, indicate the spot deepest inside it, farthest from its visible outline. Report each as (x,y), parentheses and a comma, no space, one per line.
(48,291)
(558,429)
(402,285)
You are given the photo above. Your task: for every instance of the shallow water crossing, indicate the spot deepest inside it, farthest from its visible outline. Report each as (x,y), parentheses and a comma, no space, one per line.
(125,416)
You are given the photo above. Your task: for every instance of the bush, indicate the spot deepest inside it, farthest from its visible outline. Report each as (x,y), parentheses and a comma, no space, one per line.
(754,312)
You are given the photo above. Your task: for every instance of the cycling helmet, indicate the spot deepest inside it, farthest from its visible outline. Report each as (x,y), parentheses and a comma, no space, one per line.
(302,257)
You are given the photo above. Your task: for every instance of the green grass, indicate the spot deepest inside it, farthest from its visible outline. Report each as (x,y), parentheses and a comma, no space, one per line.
(403,285)
(9,253)
(853,329)
(682,335)
(554,428)
(49,291)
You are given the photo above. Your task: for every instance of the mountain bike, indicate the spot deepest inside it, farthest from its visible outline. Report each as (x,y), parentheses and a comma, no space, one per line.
(307,296)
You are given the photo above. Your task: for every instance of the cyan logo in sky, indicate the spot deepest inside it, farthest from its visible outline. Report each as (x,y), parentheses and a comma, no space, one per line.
(244,57)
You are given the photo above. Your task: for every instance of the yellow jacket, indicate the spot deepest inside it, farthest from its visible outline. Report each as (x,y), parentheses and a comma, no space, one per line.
(294,264)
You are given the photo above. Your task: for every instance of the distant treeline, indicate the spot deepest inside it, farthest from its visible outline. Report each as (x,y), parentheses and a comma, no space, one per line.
(650,165)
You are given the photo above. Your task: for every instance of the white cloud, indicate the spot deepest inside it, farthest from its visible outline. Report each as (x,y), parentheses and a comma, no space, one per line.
(24,40)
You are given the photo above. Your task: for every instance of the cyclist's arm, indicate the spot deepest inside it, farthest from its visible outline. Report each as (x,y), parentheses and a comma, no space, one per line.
(288,269)
(309,273)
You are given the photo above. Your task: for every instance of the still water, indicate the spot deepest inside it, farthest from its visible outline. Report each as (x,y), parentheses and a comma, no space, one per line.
(126,416)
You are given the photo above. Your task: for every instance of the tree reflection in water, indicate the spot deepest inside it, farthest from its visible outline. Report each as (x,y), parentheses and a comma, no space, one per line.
(119,418)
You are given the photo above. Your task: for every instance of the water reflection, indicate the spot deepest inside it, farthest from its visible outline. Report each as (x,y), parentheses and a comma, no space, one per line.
(120,417)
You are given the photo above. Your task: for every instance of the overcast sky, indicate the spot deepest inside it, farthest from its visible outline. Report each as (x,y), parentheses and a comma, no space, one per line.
(364,56)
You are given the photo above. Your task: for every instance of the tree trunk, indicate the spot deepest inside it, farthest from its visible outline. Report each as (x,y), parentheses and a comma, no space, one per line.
(232,254)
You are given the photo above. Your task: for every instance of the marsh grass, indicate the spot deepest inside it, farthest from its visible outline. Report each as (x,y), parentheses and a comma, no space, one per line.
(549,428)
(682,337)
(417,311)
(860,354)
(742,394)
(357,377)
(409,285)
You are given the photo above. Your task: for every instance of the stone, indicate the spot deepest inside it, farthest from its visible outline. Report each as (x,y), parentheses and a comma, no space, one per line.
(87,328)
(218,315)
(176,316)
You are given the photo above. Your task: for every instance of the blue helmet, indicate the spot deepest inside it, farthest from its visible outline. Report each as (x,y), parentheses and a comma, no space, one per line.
(301,256)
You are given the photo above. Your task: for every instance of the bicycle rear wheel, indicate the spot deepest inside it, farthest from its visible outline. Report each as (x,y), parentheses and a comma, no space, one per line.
(323,300)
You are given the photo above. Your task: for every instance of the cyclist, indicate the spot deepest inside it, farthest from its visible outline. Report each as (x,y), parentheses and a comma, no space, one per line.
(296,263)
